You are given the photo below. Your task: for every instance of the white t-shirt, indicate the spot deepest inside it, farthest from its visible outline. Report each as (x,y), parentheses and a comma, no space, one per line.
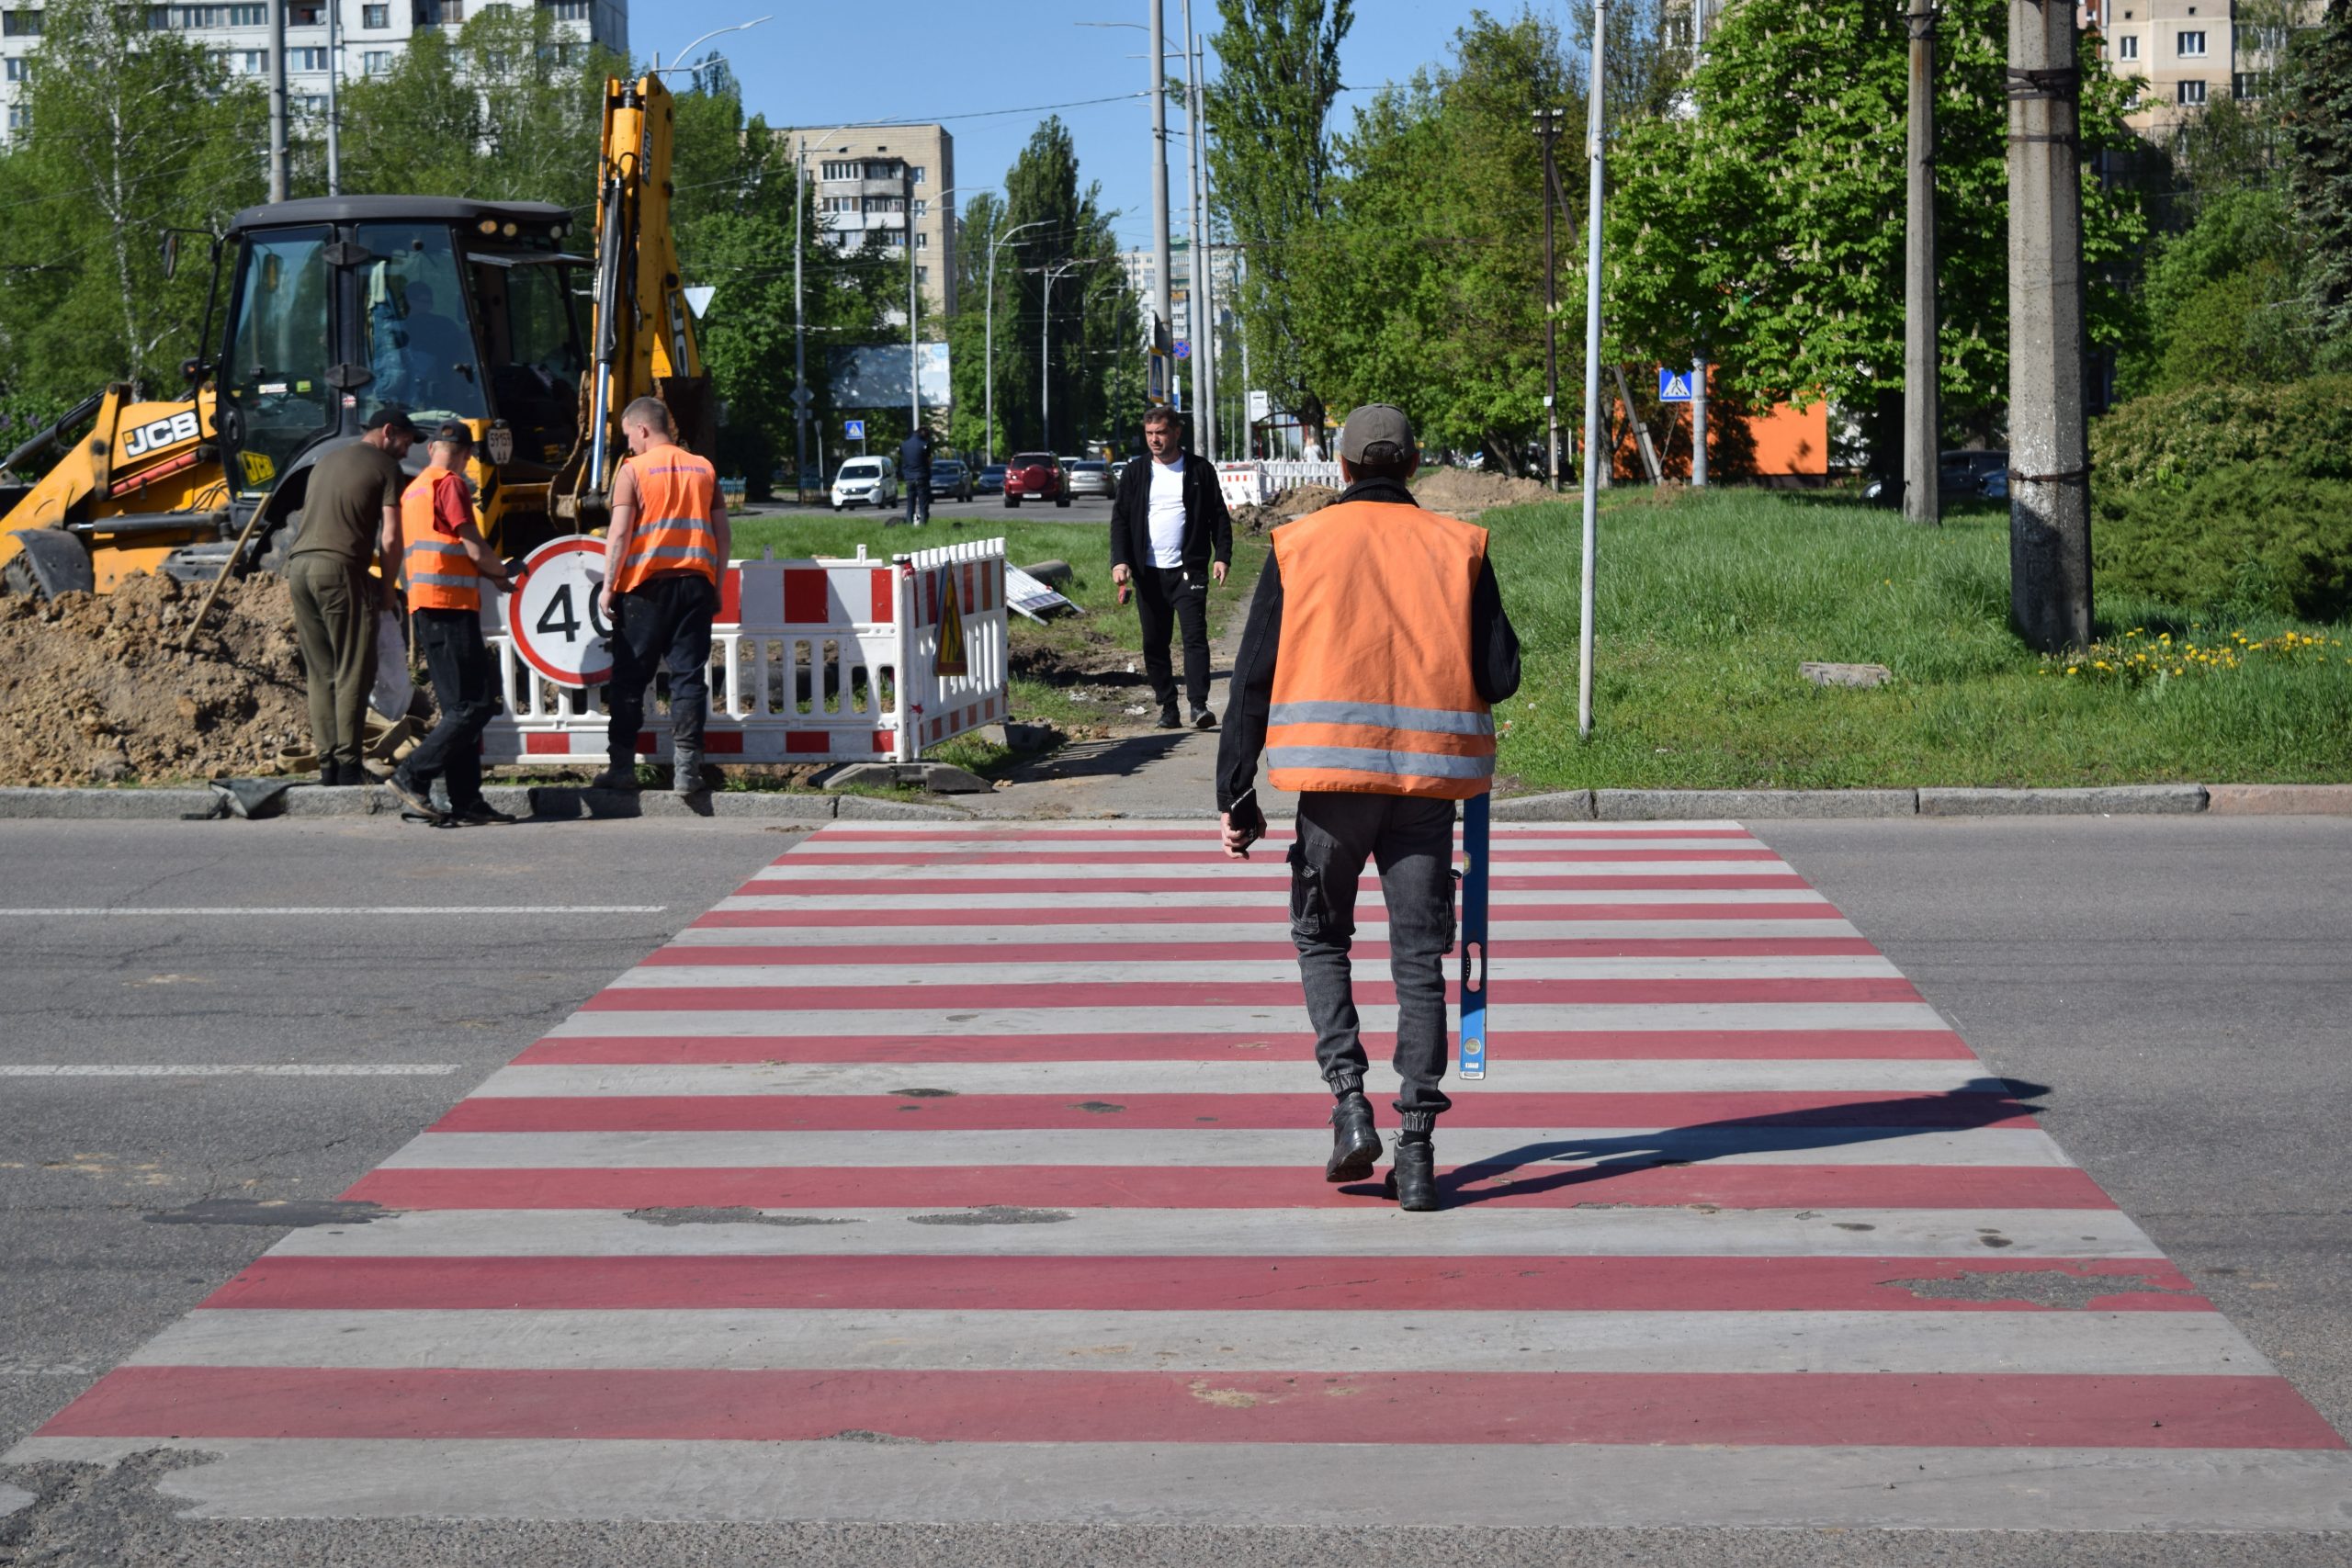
(1167,513)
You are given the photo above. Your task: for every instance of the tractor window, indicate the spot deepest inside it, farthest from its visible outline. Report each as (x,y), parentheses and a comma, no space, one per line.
(535,355)
(420,324)
(278,354)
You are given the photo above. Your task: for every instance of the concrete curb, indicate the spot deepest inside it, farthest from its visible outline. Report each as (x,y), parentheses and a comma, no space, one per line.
(564,803)
(557,803)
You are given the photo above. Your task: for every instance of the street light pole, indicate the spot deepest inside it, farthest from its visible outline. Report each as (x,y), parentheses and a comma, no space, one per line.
(1197,302)
(988,352)
(277,100)
(800,399)
(907,228)
(1593,456)
(1922,391)
(1044,353)
(1161,260)
(334,97)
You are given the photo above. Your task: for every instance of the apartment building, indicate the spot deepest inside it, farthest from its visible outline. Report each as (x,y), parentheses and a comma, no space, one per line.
(1143,272)
(368,36)
(2187,53)
(864,176)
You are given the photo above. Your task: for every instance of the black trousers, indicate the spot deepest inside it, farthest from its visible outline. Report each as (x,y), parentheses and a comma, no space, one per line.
(1168,598)
(1411,842)
(663,623)
(458,660)
(918,501)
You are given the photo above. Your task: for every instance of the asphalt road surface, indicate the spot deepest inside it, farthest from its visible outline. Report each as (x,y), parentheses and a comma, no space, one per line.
(2180,985)
(979,509)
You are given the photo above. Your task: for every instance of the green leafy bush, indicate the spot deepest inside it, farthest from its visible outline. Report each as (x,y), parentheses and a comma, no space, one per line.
(2242,536)
(2172,440)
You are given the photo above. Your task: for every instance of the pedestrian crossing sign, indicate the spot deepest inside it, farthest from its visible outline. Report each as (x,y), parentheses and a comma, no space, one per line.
(1673,386)
(952,659)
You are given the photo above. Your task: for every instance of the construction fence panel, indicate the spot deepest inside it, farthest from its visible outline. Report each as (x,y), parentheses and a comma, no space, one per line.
(1289,474)
(812,660)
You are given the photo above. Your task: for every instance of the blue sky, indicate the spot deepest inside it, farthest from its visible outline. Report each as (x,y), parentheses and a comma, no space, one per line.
(822,65)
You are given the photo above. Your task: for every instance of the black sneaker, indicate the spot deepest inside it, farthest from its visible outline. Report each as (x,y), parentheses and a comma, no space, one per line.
(480,814)
(1167,719)
(1204,719)
(418,803)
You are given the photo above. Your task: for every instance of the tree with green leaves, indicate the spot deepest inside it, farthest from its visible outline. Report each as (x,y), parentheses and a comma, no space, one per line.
(2321,176)
(132,133)
(1764,232)
(1271,165)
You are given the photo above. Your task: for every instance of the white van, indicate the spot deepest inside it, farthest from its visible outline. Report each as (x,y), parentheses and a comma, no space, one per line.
(872,481)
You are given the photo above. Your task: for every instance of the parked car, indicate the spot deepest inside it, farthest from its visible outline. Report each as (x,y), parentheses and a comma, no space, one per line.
(1091,478)
(1036,476)
(950,479)
(991,480)
(1960,475)
(873,481)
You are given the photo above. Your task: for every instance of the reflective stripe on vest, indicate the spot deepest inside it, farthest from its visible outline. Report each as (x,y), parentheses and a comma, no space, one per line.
(441,576)
(1373,687)
(672,531)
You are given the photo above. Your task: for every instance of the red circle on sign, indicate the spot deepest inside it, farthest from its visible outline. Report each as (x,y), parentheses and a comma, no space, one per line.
(529,604)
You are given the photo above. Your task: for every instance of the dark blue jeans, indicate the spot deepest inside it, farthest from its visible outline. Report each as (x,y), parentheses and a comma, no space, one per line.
(1411,842)
(458,661)
(662,622)
(918,501)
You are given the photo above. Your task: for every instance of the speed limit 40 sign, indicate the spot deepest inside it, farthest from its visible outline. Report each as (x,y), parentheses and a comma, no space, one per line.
(553,616)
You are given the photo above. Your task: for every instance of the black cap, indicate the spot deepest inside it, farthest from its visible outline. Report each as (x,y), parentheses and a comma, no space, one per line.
(394,420)
(456,432)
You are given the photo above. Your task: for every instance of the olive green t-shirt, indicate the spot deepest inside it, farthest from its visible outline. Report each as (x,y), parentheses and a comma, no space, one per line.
(344,506)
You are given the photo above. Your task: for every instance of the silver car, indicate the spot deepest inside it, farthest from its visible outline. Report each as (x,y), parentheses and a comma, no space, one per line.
(1090,477)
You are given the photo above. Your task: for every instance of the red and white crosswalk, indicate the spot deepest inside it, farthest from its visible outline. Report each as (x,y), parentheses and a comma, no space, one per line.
(973,1173)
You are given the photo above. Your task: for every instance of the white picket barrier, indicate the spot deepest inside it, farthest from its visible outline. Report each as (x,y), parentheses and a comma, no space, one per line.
(1243,484)
(812,660)
(1286,474)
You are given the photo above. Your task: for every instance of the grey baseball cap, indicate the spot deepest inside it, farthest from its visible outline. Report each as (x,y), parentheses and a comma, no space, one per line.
(1375,423)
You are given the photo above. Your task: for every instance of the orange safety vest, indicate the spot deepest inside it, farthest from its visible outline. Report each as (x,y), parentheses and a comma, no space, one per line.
(1372,689)
(672,531)
(441,576)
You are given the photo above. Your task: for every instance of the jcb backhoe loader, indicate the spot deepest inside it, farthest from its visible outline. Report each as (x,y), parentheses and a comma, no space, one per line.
(338,306)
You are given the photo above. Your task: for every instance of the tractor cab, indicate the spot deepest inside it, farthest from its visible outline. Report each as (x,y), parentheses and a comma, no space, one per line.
(446,309)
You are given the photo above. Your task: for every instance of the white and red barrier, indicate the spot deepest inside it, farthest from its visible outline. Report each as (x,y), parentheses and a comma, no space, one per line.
(812,660)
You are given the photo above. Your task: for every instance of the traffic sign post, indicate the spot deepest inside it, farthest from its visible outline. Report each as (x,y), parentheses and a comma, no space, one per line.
(553,615)
(854,430)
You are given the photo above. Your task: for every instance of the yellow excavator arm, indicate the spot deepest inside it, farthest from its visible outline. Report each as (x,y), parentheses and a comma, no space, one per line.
(643,332)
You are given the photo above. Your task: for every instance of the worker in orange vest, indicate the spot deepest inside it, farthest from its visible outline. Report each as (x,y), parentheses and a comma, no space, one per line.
(664,555)
(1376,646)
(445,561)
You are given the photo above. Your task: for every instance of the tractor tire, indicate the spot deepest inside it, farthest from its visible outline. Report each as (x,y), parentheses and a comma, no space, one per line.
(17,577)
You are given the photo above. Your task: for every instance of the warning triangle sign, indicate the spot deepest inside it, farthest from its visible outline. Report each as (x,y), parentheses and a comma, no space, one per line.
(952,659)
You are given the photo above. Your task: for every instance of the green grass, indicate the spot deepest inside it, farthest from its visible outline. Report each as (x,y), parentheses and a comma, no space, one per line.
(1707,604)
(1047,658)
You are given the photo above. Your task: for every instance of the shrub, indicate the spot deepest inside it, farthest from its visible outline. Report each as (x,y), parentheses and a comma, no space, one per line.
(2242,536)
(2170,441)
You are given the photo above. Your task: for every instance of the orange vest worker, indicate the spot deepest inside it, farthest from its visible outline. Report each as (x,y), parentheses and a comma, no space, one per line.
(673,530)
(441,576)
(1372,694)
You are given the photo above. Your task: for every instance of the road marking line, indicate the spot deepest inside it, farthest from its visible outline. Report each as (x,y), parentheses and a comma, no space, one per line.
(305,909)
(226,1069)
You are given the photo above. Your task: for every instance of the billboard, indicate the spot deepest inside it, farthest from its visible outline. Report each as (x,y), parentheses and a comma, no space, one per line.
(876,377)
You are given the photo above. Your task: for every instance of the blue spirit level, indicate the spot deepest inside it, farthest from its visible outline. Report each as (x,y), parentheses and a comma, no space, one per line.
(1475,838)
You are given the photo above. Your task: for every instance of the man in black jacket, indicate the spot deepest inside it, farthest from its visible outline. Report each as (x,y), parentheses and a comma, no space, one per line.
(914,476)
(1171,538)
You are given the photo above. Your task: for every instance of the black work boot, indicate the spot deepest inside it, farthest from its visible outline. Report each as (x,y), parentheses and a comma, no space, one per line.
(1412,1178)
(685,773)
(1355,1142)
(1167,719)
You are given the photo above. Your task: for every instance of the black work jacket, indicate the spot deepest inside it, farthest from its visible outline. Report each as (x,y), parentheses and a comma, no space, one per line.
(1208,526)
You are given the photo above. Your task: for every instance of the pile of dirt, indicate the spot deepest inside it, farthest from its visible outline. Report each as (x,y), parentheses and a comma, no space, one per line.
(1296,501)
(96,689)
(1462,493)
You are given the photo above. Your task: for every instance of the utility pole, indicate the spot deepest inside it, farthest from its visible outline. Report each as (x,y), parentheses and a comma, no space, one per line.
(277,100)
(334,97)
(914,370)
(1162,260)
(2050,524)
(1548,123)
(1201,302)
(1593,457)
(988,340)
(1046,353)
(1922,406)
(1697,424)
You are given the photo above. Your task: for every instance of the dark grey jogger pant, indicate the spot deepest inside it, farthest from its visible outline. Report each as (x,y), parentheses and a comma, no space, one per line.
(1411,844)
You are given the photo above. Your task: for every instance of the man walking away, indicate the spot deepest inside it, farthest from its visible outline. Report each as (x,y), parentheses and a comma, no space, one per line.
(662,559)
(914,474)
(1375,647)
(351,518)
(447,561)
(1170,537)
